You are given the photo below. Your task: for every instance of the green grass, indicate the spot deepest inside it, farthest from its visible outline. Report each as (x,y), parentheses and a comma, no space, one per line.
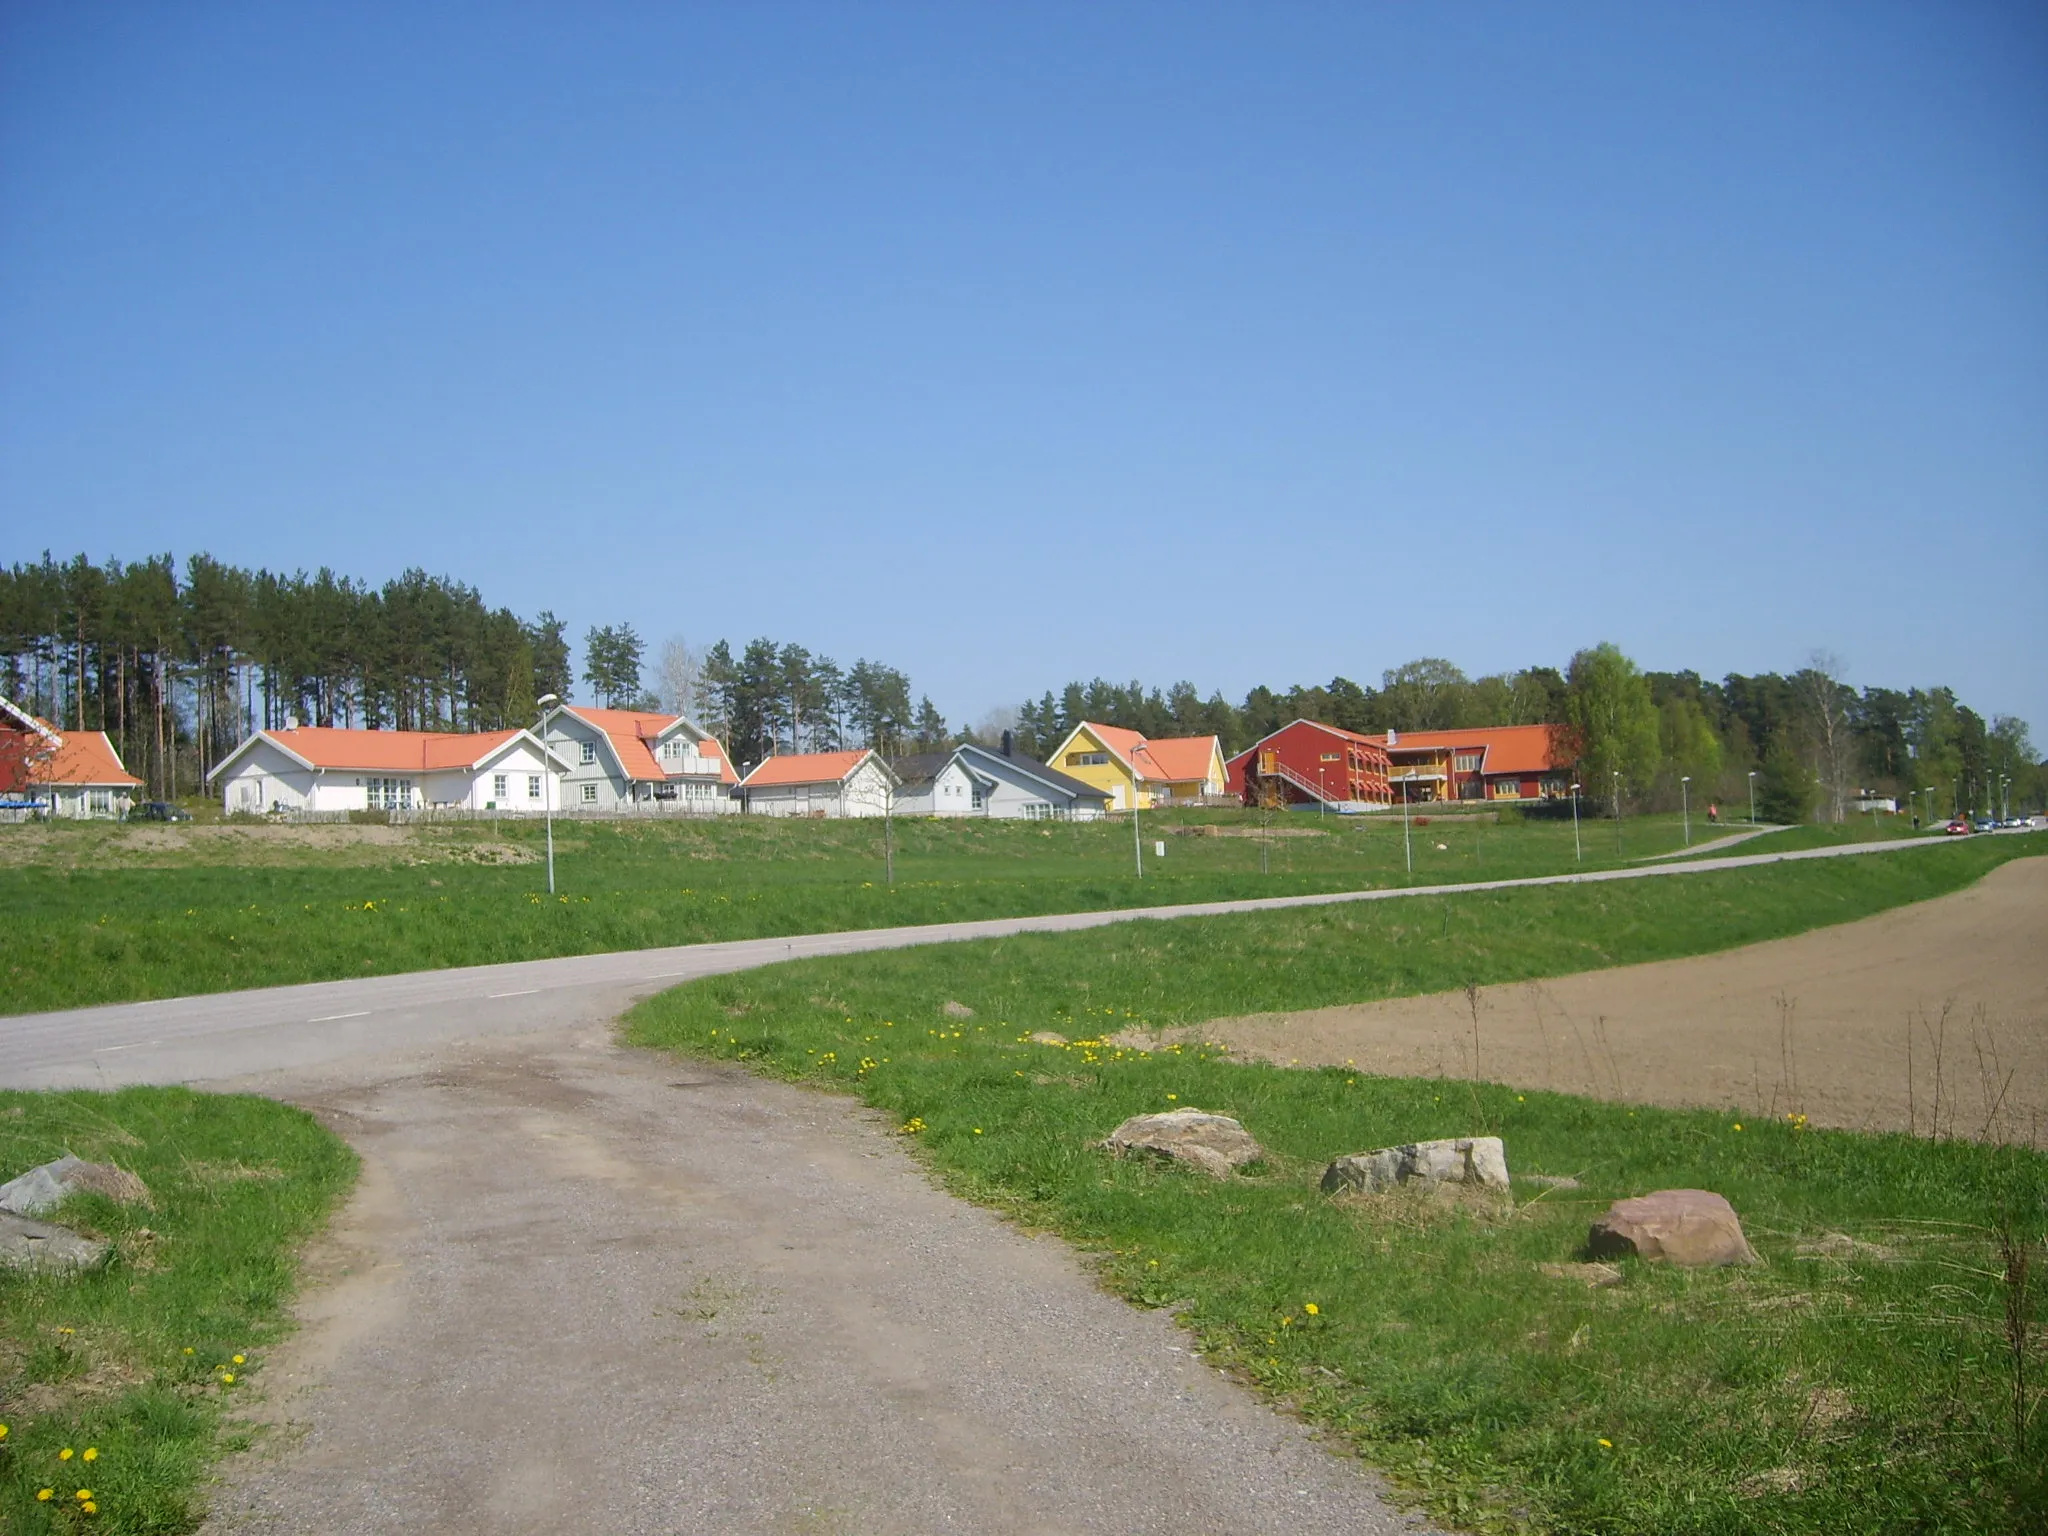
(131,1359)
(95,914)
(1862,1391)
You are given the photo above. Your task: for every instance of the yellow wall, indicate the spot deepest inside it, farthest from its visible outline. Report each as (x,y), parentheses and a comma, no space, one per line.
(1111,775)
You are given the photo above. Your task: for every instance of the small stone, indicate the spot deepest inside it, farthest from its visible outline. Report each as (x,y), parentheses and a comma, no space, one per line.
(1592,1276)
(1216,1144)
(1548,1180)
(49,1186)
(1479,1160)
(36,1245)
(1691,1228)
(952,1010)
(1047,1037)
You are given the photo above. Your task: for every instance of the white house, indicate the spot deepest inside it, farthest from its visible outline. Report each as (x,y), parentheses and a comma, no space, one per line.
(973,780)
(51,772)
(625,759)
(819,784)
(324,768)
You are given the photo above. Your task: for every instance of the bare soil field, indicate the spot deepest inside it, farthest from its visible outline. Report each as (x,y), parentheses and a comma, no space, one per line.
(1931,1019)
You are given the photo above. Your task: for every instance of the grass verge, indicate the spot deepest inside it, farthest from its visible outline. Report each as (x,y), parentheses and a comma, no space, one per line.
(1863,1379)
(101,913)
(141,1361)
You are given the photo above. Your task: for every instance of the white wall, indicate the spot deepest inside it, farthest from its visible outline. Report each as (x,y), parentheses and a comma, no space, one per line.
(949,793)
(262,777)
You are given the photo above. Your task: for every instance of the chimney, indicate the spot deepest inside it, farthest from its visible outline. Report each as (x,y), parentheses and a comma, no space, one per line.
(1393,737)
(1009,743)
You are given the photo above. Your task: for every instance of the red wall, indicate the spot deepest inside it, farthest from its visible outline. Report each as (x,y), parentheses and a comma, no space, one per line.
(1300,747)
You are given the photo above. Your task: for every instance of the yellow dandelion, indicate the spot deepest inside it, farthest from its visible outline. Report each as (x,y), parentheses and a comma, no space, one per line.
(1172,1098)
(188,1349)
(44,1495)
(89,1507)
(1606,1445)
(85,1493)
(92,1453)
(977,1130)
(66,1454)
(3,1431)
(67,1330)
(228,1380)
(1738,1125)
(240,1358)
(1286,1322)
(1311,1309)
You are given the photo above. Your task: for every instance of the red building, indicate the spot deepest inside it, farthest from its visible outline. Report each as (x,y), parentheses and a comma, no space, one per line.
(1307,763)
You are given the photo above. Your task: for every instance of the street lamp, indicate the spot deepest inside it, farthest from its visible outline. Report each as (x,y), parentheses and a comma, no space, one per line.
(1617,813)
(1752,797)
(1407,845)
(549,703)
(1578,851)
(1685,805)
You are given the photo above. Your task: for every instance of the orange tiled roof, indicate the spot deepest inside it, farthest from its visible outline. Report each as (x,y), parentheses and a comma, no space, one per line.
(1181,758)
(78,758)
(805,768)
(328,746)
(1508,748)
(634,732)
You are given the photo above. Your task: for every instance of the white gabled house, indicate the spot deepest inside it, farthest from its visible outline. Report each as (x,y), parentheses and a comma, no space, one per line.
(626,759)
(973,780)
(325,768)
(832,784)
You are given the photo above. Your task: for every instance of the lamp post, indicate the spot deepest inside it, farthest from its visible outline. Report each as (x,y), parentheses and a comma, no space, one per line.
(549,704)
(1752,797)
(1407,843)
(1617,813)
(1578,849)
(1685,805)
(1137,842)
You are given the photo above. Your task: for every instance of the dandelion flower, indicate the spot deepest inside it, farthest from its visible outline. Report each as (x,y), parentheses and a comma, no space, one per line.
(228,1380)
(85,1493)
(66,1454)
(1738,1125)
(89,1507)
(239,1359)
(1311,1309)
(977,1130)
(188,1349)
(1606,1445)
(92,1453)
(3,1431)
(1172,1097)
(44,1495)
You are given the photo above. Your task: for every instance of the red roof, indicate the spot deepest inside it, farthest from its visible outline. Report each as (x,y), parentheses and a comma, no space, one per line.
(633,734)
(328,746)
(806,768)
(1508,748)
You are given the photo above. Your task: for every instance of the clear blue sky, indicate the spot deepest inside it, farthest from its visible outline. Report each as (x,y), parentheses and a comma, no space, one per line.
(1008,344)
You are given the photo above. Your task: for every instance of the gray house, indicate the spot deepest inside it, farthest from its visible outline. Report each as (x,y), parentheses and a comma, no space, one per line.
(976,781)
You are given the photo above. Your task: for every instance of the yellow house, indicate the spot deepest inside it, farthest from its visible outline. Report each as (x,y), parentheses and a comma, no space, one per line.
(1130,768)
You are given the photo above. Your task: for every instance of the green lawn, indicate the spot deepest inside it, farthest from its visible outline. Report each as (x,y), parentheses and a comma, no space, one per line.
(93,914)
(1861,1380)
(133,1361)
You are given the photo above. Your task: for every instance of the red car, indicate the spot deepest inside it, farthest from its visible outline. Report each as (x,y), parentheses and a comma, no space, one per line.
(1957,828)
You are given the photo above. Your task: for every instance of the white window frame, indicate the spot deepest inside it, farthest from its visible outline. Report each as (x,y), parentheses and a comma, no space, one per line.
(589,752)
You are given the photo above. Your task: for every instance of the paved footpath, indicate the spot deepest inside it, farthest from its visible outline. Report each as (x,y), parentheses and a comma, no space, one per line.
(586,1288)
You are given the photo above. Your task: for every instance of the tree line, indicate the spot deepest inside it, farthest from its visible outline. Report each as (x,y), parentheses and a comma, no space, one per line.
(1805,741)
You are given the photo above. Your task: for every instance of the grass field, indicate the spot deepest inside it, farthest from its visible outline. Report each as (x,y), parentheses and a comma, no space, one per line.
(1863,1379)
(94,913)
(135,1368)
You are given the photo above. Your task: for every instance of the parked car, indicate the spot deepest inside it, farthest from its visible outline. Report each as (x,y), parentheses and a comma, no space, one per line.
(159,810)
(1957,828)
(1983,824)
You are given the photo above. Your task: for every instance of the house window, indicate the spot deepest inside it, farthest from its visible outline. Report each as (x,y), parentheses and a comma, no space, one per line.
(498,789)
(590,794)
(1333,757)
(1087,759)
(589,752)
(100,802)
(389,794)
(1466,762)
(980,801)
(533,786)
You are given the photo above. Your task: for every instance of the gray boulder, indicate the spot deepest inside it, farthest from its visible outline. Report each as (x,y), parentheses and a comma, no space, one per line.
(36,1245)
(1216,1144)
(1692,1228)
(1480,1161)
(952,1010)
(45,1188)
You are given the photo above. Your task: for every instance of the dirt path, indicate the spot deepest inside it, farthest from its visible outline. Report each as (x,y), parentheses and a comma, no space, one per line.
(1816,1024)
(587,1289)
